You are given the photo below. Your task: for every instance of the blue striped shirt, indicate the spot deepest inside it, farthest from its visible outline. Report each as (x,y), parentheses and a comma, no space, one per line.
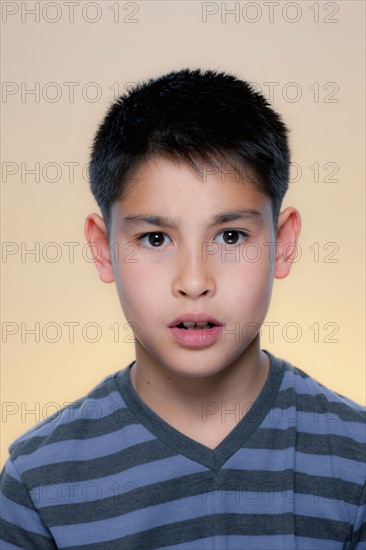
(108,473)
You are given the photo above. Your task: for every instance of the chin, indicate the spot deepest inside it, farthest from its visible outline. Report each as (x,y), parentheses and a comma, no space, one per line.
(196,368)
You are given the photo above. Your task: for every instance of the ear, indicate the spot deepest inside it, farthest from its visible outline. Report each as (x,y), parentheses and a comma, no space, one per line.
(288,231)
(96,234)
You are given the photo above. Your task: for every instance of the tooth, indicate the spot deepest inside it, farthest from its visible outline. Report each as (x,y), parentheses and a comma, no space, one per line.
(191,324)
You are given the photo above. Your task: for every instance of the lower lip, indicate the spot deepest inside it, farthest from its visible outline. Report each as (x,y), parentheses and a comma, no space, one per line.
(197,338)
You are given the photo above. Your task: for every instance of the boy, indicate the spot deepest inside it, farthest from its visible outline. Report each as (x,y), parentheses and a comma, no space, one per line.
(205,441)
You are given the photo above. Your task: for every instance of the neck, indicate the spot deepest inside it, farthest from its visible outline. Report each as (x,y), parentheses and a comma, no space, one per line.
(170,395)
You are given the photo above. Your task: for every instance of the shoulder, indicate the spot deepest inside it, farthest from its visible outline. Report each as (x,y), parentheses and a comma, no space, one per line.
(327,431)
(314,395)
(325,420)
(72,431)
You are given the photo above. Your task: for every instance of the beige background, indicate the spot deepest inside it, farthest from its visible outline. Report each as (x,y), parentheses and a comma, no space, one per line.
(313,51)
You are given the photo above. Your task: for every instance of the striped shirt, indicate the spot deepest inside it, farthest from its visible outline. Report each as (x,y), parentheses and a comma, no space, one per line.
(108,473)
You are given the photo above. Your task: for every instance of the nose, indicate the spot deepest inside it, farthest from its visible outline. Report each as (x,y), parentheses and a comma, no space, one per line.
(194,276)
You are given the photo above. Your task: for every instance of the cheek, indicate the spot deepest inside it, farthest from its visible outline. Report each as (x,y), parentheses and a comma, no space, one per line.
(138,288)
(251,282)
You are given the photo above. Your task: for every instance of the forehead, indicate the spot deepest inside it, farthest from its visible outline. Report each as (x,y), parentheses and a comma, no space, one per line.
(173,187)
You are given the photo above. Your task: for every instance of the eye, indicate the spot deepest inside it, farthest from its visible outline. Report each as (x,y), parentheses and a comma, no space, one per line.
(232,235)
(154,238)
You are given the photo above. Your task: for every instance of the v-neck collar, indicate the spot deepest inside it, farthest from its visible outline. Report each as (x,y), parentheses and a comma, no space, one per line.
(183,444)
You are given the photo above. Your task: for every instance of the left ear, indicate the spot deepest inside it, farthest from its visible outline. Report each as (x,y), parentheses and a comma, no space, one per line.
(288,231)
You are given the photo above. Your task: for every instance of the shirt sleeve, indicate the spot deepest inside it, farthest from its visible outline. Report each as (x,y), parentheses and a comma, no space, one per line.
(21,527)
(359,530)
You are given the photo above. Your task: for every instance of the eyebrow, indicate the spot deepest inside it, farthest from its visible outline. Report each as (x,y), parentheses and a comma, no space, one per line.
(166,221)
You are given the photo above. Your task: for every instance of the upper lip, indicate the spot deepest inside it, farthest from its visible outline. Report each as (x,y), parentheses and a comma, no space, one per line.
(196,318)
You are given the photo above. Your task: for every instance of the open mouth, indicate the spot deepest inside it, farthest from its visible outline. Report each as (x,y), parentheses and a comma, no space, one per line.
(196,335)
(196,326)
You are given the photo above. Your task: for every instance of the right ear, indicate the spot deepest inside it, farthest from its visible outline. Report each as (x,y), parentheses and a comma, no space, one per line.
(96,234)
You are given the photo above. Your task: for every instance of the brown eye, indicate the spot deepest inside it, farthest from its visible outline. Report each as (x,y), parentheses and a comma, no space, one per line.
(231,237)
(153,239)
(156,239)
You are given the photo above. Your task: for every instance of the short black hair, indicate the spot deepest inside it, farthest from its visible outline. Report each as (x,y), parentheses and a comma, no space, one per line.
(197,116)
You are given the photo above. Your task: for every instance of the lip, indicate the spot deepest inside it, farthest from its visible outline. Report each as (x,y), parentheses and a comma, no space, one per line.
(196,338)
(195,318)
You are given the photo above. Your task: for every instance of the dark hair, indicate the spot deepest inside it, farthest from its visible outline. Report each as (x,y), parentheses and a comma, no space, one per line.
(195,116)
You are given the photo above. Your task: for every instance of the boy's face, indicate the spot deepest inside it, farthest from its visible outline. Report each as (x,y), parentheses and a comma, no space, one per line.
(196,267)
